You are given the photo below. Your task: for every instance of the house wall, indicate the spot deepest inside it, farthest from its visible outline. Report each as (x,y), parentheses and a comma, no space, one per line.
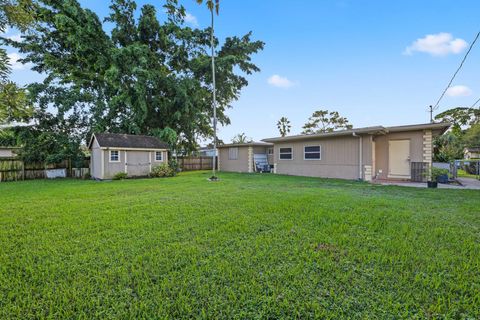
(239,165)
(339,157)
(381,149)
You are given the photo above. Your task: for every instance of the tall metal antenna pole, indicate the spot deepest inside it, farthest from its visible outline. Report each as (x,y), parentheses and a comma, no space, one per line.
(431,114)
(214,102)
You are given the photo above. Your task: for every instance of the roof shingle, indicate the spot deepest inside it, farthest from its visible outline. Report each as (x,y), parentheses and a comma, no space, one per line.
(115,140)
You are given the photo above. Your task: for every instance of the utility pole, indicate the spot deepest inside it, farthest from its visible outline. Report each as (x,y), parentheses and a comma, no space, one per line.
(214,103)
(431,114)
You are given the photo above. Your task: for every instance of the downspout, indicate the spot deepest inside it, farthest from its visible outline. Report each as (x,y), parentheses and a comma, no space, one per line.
(360,155)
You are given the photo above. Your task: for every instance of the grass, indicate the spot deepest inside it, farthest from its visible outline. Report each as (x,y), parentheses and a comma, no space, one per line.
(463,174)
(246,247)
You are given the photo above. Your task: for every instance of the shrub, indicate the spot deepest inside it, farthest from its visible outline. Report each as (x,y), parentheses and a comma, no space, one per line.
(173,165)
(162,170)
(433,173)
(87,176)
(120,176)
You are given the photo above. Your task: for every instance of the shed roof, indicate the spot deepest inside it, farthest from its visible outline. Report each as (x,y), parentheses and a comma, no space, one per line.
(128,141)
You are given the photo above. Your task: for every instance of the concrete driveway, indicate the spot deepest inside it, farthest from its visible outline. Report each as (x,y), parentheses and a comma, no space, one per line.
(466,183)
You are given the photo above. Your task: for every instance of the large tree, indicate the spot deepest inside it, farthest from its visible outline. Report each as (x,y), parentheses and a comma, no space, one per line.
(325,121)
(146,77)
(460,117)
(14,104)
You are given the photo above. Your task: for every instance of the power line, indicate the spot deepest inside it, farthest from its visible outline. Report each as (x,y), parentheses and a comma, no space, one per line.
(455,74)
(473,105)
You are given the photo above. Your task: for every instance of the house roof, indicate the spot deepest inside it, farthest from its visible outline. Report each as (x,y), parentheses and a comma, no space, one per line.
(472,149)
(439,128)
(246,144)
(127,141)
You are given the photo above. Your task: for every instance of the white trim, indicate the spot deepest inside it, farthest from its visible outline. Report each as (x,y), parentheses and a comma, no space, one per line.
(279,153)
(155,156)
(320,152)
(102,167)
(133,149)
(110,156)
(150,158)
(126,168)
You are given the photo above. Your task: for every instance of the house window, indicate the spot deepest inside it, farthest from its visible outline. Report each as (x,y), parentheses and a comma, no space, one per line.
(114,156)
(285,154)
(158,156)
(312,153)
(270,150)
(232,153)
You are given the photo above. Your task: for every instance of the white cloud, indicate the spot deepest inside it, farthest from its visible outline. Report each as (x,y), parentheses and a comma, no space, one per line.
(459,91)
(279,81)
(439,44)
(15,64)
(191,19)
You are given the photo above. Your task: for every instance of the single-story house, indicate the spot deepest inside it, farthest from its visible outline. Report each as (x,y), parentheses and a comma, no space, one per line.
(240,157)
(400,152)
(471,153)
(9,152)
(133,154)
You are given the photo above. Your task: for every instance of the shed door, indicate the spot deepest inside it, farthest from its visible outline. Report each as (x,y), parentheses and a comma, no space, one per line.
(399,159)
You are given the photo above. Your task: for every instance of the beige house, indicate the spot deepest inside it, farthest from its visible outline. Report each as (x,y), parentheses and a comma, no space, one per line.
(471,153)
(134,155)
(401,152)
(241,157)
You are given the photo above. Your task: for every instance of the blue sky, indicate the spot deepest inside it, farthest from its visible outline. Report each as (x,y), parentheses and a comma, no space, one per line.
(376,62)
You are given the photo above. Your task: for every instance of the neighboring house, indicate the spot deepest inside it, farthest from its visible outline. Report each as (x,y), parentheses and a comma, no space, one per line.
(364,153)
(133,154)
(206,152)
(9,152)
(471,153)
(239,157)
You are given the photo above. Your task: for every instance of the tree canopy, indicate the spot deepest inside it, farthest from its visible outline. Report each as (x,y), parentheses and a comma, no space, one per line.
(241,138)
(325,121)
(284,126)
(145,77)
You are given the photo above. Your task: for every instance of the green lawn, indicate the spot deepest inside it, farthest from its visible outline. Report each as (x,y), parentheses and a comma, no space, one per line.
(249,246)
(463,174)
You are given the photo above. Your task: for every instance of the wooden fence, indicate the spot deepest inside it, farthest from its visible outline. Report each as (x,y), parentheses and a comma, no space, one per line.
(13,169)
(195,163)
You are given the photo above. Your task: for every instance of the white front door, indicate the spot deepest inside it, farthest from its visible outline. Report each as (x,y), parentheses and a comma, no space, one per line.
(399,159)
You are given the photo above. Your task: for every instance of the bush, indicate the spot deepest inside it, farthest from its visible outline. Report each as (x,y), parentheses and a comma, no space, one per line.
(162,170)
(120,176)
(87,176)
(433,173)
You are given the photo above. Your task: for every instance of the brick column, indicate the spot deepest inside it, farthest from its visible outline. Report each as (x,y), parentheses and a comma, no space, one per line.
(427,147)
(250,159)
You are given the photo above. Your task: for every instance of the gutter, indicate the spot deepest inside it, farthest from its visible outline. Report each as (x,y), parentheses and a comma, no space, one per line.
(360,155)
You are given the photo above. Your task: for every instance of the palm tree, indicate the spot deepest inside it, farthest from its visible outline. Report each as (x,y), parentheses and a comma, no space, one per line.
(241,138)
(283,126)
(211,6)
